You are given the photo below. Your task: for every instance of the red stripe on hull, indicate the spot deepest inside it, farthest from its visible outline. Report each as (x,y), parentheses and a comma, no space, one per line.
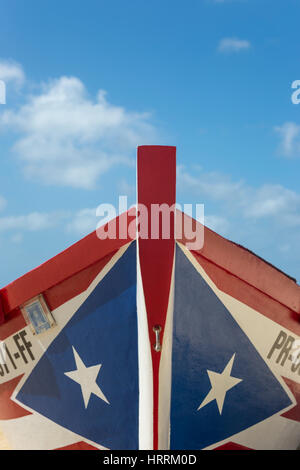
(78,257)
(293,413)
(156,185)
(250,296)
(1,311)
(232,446)
(76,284)
(8,408)
(57,295)
(78,446)
(14,322)
(246,266)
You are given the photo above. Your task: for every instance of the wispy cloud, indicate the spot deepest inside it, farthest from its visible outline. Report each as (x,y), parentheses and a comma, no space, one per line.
(66,138)
(289,133)
(215,186)
(265,218)
(17,238)
(126,188)
(268,201)
(229,45)
(79,223)
(35,221)
(83,222)
(217,223)
(11,71)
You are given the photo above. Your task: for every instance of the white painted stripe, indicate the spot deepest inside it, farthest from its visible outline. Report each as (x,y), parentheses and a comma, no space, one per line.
(35,432)
(275,433)
(145,369)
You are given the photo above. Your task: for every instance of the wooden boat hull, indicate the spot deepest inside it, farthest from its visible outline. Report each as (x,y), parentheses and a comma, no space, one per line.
(148,343)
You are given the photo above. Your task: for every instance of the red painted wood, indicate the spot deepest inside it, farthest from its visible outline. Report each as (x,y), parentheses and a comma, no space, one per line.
(1,312)
(249,295)
(66,290)
(8,408)
(293,413)
(78,446)
(14,322)
(74,259)
(57,295)
(247,266)
(232,446)
(156,171)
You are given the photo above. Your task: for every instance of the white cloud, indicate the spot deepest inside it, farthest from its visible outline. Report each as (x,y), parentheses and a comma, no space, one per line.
(126,188)
(32,222)
(83,222)
(290,139)
(80,222)
(17,238)
(68,139)
(213,185)
(217,223)
(264,218)
(272,201)
(233,45)
(11,72)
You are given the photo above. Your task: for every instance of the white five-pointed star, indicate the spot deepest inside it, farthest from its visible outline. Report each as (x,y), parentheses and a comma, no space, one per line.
(86,378)
(220,384)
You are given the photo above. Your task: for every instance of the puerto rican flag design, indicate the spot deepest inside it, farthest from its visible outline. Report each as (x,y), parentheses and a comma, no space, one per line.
(225,376)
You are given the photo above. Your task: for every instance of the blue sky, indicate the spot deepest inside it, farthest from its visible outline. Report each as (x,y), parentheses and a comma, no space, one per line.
(86,82)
